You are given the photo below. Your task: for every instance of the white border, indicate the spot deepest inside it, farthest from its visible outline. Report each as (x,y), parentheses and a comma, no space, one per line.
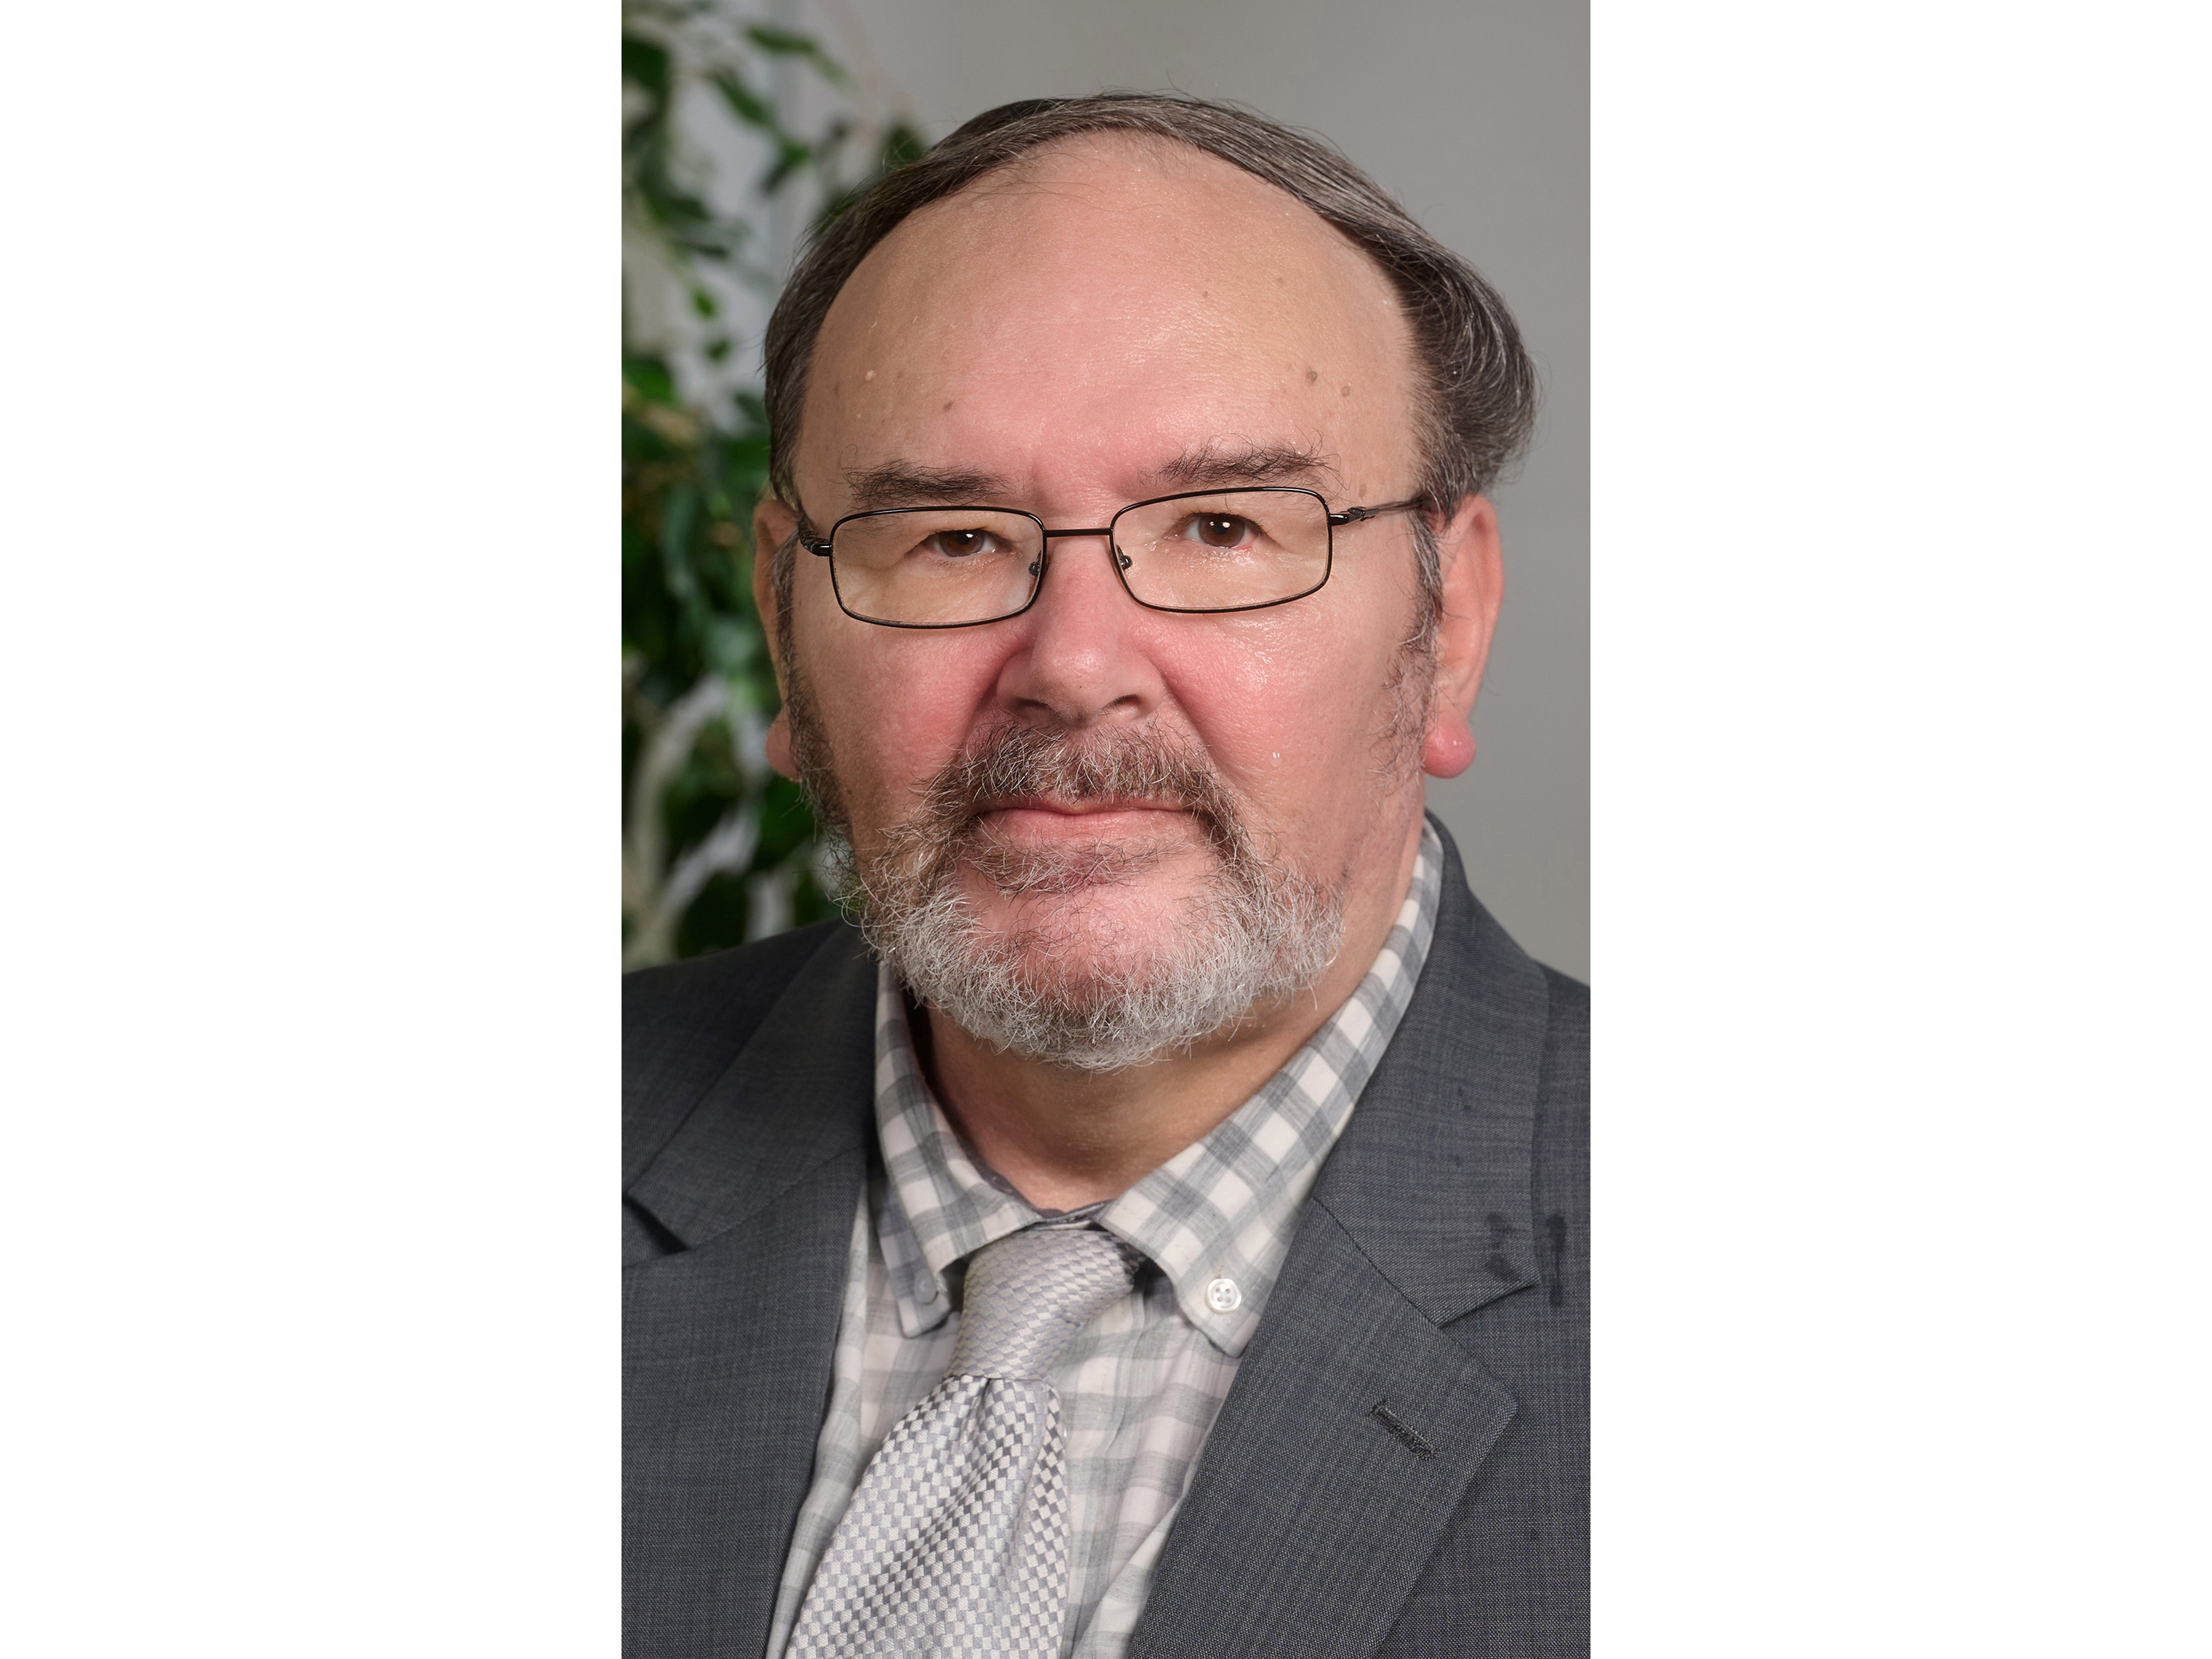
(1901,570)
(310,1064)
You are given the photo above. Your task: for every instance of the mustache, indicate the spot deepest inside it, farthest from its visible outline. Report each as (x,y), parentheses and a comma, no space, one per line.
(1017,763)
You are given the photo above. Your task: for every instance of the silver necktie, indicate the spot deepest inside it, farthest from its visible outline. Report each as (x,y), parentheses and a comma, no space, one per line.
(955,1541)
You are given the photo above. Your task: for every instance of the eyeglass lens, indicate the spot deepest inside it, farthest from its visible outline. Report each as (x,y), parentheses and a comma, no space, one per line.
(946,566)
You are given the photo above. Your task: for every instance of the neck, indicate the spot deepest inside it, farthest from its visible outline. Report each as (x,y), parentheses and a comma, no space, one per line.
(1066,1138)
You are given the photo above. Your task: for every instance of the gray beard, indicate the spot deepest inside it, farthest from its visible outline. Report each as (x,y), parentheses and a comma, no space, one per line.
(1253,935)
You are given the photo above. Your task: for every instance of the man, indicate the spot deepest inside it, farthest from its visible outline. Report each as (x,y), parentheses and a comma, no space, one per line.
(1164,1234)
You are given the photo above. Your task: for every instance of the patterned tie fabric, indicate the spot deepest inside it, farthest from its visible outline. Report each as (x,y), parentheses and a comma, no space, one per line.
(955,1541)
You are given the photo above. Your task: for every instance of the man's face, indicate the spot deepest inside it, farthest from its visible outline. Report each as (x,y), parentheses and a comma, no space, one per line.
(1114,321)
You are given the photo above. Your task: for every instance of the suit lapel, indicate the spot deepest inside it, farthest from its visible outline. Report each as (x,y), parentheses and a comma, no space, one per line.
(1356,1425)
(731,1337)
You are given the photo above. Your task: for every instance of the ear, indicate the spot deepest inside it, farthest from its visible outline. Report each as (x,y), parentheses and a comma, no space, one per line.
(1473,561)
(774,524)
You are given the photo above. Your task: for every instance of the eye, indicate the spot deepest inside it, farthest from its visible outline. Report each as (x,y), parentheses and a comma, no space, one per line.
(1221,530)
(959,544)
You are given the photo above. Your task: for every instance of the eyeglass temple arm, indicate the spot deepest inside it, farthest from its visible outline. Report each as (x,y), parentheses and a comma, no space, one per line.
(1355,515)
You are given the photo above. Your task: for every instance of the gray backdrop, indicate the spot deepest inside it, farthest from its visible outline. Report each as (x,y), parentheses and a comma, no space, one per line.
(1476,115)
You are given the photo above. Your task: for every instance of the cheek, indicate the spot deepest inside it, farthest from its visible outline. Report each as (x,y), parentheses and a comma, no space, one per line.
(1289,708)
(895,707)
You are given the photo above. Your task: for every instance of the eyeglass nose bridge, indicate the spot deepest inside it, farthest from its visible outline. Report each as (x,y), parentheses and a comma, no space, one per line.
(1121,560)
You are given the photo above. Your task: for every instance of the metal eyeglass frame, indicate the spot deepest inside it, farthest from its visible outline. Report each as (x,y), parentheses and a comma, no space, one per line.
(820,547)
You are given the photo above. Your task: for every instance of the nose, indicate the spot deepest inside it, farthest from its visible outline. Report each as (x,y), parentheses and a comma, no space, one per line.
(1084,655)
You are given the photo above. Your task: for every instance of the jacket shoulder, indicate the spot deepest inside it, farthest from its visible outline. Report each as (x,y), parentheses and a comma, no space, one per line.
(685,1022)
(1565,1075)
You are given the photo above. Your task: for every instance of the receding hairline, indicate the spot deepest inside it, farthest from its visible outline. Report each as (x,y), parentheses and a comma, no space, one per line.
(1172,151)
(1022,174)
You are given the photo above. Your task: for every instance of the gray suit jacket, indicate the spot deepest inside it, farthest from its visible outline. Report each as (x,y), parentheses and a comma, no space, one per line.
(1402,1466)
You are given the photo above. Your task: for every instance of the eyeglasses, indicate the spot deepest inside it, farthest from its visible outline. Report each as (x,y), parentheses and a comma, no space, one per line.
(957,567)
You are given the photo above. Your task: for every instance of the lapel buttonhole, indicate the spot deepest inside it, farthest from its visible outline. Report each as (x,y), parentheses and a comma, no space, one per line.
(1397,1426)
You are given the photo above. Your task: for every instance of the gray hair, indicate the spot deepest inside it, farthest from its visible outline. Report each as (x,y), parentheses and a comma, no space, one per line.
(1478,387)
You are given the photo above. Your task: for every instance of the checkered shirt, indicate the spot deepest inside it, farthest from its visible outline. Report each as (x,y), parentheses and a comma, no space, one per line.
(1140,1386)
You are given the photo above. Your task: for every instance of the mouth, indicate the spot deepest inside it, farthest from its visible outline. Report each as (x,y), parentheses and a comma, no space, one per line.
(1090,818)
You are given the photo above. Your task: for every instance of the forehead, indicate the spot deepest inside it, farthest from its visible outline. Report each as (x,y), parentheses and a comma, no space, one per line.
(1099,308)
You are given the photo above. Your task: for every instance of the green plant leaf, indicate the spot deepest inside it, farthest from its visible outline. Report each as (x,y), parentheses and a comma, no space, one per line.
(783,43)
(748,105)
(677,512)
(649,377)
(646,63)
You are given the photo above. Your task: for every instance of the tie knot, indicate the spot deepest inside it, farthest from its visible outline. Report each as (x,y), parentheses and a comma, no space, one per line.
(1030,1293)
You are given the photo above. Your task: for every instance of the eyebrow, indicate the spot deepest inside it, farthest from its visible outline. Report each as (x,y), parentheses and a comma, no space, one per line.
(1213,466)
(896,484)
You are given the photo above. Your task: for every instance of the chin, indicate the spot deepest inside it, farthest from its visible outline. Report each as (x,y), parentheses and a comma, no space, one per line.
(1111,936)
(1110,971)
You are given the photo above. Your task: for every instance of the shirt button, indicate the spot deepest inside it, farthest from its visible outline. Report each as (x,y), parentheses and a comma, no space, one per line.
(929,1289)
(1223,1295)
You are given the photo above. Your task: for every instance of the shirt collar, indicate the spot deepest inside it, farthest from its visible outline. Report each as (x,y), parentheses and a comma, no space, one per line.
(1216,1219)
